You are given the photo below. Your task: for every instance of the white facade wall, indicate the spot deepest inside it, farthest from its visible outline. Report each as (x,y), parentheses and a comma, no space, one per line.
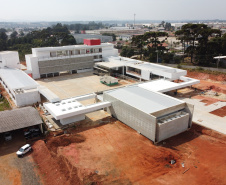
(43,54)
(27,98)
(140,121)
(72,119)
(32,65)
(9,59)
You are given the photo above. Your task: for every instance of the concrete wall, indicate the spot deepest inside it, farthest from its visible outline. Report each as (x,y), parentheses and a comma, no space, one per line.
(9,59)
(32,65)
(72,119)
(28,98)
(67,64)
(189,108)
(172,127)
(134,118)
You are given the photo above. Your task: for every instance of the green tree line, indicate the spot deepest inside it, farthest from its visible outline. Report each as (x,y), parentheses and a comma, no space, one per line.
(56,35)
(90,26)
(200,43)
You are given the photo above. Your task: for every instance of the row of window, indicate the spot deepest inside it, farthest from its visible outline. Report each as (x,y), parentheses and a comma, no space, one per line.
(74,52)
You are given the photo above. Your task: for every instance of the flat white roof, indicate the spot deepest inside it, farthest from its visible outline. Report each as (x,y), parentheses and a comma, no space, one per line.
(7,52)
(17,79)
(63,107)
(144,100)
(166,86)
(72,47)
(159,85)
(113,62)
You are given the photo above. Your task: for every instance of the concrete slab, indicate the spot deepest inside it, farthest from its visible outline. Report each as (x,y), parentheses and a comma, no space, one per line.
(202,115)
(67,86)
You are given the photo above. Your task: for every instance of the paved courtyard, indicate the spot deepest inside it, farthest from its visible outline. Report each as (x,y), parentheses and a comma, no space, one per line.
(67,86)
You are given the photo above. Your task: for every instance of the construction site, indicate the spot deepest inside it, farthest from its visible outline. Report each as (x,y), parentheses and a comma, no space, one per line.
(120,121)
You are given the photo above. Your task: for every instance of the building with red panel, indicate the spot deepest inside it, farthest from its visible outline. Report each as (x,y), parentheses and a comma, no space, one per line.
(92,42)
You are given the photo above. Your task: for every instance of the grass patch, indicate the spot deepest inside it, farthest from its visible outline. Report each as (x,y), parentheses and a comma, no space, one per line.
(4,104)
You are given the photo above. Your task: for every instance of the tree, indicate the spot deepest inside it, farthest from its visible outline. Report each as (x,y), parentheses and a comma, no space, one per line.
(151,40)
(139,41)
(196,33)
(3,40)
(127,51)
(14,35)
(168,26)
(21,34)
(68,40)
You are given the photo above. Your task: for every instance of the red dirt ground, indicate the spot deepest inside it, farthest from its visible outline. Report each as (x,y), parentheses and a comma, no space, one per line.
(206,100)
(205,76)
(220,112)
(116,154)
(213,82)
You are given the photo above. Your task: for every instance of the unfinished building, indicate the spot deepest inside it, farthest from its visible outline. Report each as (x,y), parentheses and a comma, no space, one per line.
(153,114)
(22,89)
(138,69)
(51,61)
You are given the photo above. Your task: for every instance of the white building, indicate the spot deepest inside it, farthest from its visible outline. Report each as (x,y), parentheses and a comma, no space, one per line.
(22,88)
(9,59)
(51,61)
(151,113)
(140,69)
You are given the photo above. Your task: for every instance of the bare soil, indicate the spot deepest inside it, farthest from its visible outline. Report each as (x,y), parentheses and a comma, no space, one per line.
(220,112)
(113,153)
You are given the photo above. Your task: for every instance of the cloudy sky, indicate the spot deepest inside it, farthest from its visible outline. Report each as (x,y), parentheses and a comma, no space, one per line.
(83,10)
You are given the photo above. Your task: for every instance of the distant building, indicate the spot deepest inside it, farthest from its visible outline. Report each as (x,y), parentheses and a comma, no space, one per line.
(178,26)
(80,37)
(125,37)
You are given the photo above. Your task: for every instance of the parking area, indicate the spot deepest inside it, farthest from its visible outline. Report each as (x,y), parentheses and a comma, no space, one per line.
(67,86)
(14,170)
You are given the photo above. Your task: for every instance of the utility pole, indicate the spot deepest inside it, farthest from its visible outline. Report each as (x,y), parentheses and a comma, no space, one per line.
(157,56)
(134,21)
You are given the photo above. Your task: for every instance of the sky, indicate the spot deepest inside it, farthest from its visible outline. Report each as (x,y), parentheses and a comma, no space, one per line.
(100,10)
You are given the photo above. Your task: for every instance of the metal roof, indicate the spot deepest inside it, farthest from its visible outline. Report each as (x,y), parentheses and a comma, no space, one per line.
(144,100)
(17,79)
(19,118)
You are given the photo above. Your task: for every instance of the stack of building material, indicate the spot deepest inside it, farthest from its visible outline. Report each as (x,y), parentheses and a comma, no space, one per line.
(108,80)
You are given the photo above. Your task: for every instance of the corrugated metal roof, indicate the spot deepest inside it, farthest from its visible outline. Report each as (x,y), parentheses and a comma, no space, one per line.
(144,100)
(19,118)
(17,79)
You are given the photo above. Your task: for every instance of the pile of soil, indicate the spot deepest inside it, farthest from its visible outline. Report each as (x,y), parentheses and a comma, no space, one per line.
(55,169)
(48,167)
(63,140)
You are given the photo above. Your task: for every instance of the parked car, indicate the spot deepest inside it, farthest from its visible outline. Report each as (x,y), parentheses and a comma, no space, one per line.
(8,136)
(32,132)
(23,150)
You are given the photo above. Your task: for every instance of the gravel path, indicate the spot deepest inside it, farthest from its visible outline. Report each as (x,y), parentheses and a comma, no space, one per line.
(27,170)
